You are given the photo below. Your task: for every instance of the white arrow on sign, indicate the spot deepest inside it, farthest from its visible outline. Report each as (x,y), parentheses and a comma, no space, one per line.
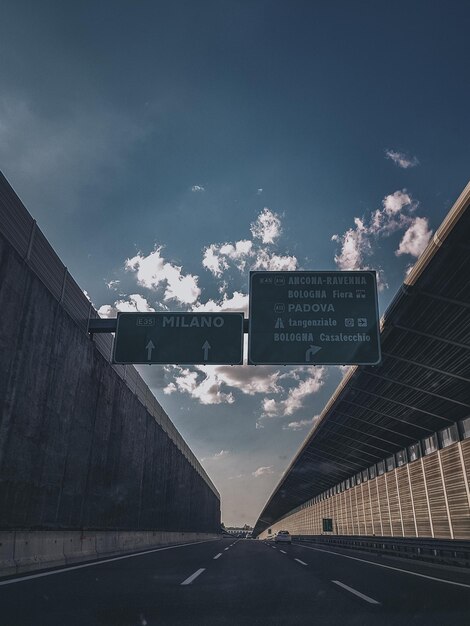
(206,346)
(149,347)
(310,352)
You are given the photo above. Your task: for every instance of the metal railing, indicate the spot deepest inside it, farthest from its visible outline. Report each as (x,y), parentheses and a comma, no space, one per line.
(23,233)
(446,551)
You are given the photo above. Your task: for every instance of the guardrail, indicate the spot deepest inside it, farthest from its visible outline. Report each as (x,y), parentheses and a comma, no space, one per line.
(447,551)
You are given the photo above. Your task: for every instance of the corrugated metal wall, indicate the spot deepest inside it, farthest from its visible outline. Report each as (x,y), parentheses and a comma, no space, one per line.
(428,497)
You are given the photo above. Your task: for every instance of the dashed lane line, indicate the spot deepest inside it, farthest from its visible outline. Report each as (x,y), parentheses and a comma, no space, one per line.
(283,552)
(396,569)
(21,579)
(355,592)
(190,579)
(217,555)
(299,561)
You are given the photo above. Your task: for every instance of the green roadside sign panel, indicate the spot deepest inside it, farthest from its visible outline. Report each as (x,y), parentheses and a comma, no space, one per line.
(179,338)
(313,318)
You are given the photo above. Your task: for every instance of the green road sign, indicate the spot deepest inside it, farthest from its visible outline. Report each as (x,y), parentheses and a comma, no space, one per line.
(179,338)
(302,318)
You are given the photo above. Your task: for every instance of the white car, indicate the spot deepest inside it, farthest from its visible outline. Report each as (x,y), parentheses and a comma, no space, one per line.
(283,536)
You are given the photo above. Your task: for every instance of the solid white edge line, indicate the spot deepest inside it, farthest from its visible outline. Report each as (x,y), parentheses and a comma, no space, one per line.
(397,569)
(299,561)
(190,579)
(217,555)
(115,558)
(355,592)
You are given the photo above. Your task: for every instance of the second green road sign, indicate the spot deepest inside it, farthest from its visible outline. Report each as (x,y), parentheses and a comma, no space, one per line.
(301,318)
(179,338)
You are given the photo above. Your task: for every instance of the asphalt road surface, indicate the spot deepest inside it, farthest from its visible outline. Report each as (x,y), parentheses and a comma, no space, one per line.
(239,582)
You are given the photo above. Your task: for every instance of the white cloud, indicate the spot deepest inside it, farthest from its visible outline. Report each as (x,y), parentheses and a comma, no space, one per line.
(212,384)
(401,159)
(267,226)
(134,303)
(263,471)
(301,424)
(263,379)
(259,191)
(247,254)
(112,284)
(359,243)
(197,188)
(236,303)
(107,311)
(207,389)
(355,246)
(216,456)
(296,395)
(266,260)
(154,272)
(416,238)
(396,201)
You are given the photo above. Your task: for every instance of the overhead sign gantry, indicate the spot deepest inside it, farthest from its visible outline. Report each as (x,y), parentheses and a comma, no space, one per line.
(302,318)
(179,338)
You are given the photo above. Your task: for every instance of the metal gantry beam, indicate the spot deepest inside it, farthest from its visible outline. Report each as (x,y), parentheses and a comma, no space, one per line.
(387,415)
(407,406)
(417,364)
(418,389)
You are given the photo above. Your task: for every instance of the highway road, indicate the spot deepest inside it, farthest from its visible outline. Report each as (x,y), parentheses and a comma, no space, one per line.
(239,582)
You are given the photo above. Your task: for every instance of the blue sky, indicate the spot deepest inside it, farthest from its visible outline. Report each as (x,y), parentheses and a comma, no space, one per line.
(165,148)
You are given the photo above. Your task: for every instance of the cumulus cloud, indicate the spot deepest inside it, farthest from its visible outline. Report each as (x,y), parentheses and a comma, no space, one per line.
(267,226)
(212,384)
(301,424)
(207,389)
(154,272)
(416,238)
(263,471)
(296,395)
(112,284)
(266,260)
(401,159)
(359,242)
(216,456)
(134,303)
(236,303)
(254,254)
(197,188)
(217,258)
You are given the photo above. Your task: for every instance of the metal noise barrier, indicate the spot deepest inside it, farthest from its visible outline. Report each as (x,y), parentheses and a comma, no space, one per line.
(22,232)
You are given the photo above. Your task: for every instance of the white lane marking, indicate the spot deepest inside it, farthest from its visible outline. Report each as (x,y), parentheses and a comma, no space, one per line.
(397,569)
(355,592)
(226,548)
(115,558)
(217,555)
(299,561)
(190,579)
(283,552)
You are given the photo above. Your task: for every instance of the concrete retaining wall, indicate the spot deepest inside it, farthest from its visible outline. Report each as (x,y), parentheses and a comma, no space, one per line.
(24,551)
(78,446)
